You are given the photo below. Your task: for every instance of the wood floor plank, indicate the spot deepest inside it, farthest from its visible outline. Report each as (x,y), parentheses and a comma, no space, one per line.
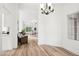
(33,49)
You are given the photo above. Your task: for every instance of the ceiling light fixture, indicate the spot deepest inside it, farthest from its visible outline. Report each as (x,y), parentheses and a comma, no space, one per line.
(46,8)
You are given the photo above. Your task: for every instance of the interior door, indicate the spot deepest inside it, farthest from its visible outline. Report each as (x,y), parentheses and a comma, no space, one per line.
(6,38)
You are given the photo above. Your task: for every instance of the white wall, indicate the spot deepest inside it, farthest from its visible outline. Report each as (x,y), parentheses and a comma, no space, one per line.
(50,27)
(69,44)
(0,29)
(20,21)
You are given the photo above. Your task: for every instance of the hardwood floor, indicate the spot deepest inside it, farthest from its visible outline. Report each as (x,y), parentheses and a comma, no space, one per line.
(33,49)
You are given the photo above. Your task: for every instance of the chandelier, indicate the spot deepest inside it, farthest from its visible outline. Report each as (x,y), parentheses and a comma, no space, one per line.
(46,8)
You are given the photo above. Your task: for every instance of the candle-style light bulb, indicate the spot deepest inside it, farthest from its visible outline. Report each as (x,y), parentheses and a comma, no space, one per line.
(42,5)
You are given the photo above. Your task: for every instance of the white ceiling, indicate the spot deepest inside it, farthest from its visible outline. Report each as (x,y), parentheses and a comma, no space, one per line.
(29,6)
